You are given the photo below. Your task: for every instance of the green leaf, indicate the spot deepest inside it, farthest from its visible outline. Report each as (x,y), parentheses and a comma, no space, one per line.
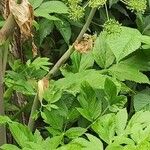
(52,143)
(121,9)
(53,131)
(105,127)
(33,146)
(124,43)
(4,119)
(71,146)
(117,103)
(23,87)
(142,100)
(8,93)
(76,144)
(93,143)
(110,89)
(72,82)
(121,142)
(21,133)
(90,102)
(75,132)
(114,102)
(145,145)
(39,63)
(53,118)
(80,61)
(35,3)
(121,121)
(111,2)
(37,137)
(75,59)
(17,81)
(139,61)
(64,28)
(67,107)
(139,127)
(52,95)
(46,27)
(85,114)
(86,62)
(52,7)
(102,53)
(9,147)
(47,16)
(145,39)
(126,72)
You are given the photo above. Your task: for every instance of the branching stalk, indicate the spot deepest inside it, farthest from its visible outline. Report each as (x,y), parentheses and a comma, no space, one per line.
(60,62)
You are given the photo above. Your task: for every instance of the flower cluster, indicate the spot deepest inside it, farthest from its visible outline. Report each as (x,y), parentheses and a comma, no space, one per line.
(76,11)
(137,5)
(112,26)
(96,3)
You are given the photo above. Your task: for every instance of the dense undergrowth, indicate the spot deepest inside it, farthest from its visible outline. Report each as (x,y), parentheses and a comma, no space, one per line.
(79,80)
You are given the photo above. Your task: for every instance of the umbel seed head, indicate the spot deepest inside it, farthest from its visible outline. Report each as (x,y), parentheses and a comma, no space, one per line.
(137,5)
(97,3)
(76,11)
(112,26)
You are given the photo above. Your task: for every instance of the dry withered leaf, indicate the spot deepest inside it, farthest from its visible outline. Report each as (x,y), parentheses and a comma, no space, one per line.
(34,49)
(42,86)
(85,45)
(23,14)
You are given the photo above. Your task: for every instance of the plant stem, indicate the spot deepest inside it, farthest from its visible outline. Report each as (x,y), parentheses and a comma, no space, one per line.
(2,127)
(71,49)
(35,105)
(97,118)
(60,62)
(5,55)
(107,14)
(8,29)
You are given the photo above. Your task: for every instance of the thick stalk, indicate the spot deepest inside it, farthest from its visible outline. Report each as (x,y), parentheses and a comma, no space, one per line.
(57,66)
(5,32)
(8,29)
(2,127)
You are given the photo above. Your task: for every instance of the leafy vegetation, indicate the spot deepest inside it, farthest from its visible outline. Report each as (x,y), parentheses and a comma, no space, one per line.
(75,76)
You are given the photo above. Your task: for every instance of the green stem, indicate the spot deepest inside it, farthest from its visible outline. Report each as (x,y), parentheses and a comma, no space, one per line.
(131,109)
(35,105)
(107,14)
(57,66)
(71,49)
(103,113)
